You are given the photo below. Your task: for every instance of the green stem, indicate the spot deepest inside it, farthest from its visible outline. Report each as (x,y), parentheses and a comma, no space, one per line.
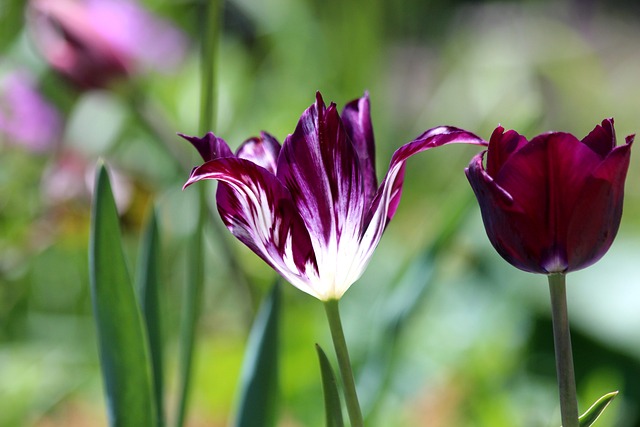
(208,51)
(564,355)
(190,316)
(342,353)
(193,293)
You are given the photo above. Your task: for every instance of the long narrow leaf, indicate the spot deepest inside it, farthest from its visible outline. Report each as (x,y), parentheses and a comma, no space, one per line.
(148,296)
(192,305)
(332,406)
(259,378)
(122,342)
(593,413)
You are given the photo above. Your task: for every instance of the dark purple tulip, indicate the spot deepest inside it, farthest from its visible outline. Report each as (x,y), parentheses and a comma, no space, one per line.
(93,42)
(552,204)
(312,209)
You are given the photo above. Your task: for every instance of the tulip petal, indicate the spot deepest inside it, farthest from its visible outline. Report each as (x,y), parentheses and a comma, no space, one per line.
(263,151)
(545,178)
(388,196)
(259,211)
(209,146)
(602,139)
(503,220)
(356,118)
(501,146)
(432,138)
(596,217)
(319,166)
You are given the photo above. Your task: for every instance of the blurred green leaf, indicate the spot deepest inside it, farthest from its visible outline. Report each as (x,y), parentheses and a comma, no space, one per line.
(332,407)
(593,413)
(259,378)
(11,21)
(148,296)
(122,343)
(192,305)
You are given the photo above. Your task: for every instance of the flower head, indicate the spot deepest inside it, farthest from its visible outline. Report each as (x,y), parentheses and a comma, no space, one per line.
(93,42)
(312,209)
(552,204)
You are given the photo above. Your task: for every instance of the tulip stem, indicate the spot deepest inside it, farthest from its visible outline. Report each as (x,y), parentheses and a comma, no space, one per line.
(564,355)
(210,28)
(342,353)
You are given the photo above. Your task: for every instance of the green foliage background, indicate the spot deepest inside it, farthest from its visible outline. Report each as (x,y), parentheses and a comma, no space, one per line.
(476,350)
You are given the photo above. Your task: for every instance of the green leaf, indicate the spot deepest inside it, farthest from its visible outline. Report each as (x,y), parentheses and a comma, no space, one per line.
(11,22)
(148,297)
(122,342)
(332,406)
(192,305)
(593,413)
(259,378)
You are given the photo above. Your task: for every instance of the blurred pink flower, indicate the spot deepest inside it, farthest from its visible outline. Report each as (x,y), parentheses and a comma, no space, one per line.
(94,41)
(26,118)
(69,178)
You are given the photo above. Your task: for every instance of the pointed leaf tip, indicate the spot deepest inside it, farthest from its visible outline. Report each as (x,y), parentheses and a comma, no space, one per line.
(122,344)
(259,378)
(593,413)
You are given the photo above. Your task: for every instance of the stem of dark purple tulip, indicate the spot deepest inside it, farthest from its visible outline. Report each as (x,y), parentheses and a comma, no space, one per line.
(564,354)
(342,353)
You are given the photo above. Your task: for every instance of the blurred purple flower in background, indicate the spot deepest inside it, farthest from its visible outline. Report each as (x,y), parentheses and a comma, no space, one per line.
(93,42)
(552,204)
(26,118)
(312,209)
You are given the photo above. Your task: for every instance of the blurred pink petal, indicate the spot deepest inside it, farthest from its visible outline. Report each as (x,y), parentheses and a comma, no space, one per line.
(70,178)
(94,41)
(26,118)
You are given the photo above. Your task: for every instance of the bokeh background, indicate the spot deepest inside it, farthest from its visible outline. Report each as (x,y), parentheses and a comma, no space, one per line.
(473,345)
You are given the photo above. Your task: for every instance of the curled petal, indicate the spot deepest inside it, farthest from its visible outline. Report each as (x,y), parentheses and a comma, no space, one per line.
(602,139)
(356,118)
(388,196)
(209,146)
(501,146)
(432,138)
(258,210)
(263,151)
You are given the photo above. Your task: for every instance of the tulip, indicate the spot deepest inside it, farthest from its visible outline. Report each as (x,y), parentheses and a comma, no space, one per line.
(552,204)
(312,209)
(93,42)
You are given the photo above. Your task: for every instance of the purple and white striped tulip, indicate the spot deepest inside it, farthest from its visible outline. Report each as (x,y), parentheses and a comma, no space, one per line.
(312,209)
